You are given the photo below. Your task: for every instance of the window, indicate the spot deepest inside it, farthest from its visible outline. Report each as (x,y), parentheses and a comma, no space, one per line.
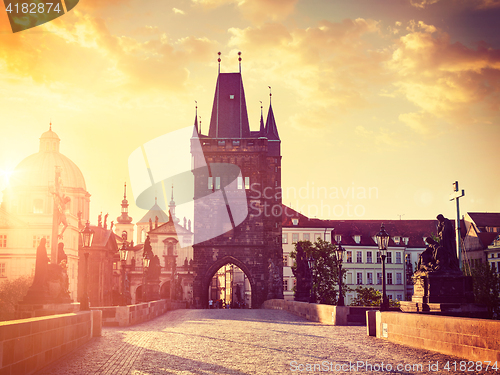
(359,257)
(236,143)
(349,278)
(398,257)
(221,143)
(328,236)
(349,256)
(217,183)
(359,278)
(240,183)
(399,297)
(247,183)
(306,236)
(295,221)
(357,239)
(294,282)
(210,183)
(338,238)
(399,279)
(3,240)
(285,260)
(369,278)
(2,269)
(295,237)
(396,240)
(369,257)
(389,258)
(284,238)
(316,236)
(36,241)
(389,296)
(285,285)
(379,278)
(38,206)
(405,240)
(379,259)
(389,278)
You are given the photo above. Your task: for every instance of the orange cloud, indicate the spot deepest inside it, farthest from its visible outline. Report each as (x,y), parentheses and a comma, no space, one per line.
(258,11)
(330,67)
(447,81)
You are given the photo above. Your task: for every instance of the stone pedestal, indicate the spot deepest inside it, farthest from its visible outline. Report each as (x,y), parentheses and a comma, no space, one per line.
(442,288)
(443,294)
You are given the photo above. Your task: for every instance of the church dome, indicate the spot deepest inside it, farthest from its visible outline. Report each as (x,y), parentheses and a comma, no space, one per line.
(39,169)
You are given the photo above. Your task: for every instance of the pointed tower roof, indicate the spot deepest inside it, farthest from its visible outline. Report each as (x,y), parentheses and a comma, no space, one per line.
(152,213)
(262,131)
(229,112)
(195,130)
(271,128)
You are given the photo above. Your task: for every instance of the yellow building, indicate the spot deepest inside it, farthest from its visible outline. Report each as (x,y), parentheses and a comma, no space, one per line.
(26,212)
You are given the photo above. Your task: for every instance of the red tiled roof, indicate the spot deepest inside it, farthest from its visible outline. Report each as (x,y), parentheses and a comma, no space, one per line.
(415,230)
(485,219)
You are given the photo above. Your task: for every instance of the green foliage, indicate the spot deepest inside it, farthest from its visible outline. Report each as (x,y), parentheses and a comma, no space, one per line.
(11,292)
(486,284)
(325,270)
(366,297)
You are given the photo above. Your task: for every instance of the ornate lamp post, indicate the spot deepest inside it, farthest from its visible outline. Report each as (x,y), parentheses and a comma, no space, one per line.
(87,236)
(145,264)
(310,262)
(123,258)
(383,242)
(340,253)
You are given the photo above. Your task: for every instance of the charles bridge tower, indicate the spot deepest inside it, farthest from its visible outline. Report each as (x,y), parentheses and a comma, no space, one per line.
(237,196)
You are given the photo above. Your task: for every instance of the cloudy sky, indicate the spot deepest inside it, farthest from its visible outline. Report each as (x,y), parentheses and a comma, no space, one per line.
(397,98)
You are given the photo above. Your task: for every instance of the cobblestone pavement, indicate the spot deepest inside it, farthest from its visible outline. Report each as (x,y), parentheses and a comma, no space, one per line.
(243,342)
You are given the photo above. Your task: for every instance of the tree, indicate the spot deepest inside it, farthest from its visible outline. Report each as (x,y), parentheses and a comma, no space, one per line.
(325,273)
(366,297)
(11,292)
(486,284)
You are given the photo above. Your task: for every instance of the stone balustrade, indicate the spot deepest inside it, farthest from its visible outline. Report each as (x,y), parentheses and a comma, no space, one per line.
(27,345)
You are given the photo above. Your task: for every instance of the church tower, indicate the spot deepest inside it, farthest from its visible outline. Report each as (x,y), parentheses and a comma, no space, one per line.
(237,196)
(124,221)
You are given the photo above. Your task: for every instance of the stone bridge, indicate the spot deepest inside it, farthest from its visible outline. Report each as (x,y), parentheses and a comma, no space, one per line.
(244,342)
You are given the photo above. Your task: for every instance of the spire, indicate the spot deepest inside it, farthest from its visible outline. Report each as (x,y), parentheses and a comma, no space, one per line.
(271,129)
(195,130)
(124,218)
(50,125)
(239,60)
(171,206)
(262,131)
(218,60)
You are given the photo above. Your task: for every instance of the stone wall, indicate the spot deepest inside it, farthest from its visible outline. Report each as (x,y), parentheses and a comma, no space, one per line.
(327,314)
(469,338)
(27,345)
(124,316)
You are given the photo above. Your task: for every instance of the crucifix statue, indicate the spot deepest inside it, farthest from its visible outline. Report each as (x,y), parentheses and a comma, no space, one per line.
(456,195)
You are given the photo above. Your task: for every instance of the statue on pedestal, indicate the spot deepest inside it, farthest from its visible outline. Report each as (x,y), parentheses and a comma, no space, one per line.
(303,275)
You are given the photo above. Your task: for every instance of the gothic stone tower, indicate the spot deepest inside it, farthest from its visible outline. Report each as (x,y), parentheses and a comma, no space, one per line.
(237,196)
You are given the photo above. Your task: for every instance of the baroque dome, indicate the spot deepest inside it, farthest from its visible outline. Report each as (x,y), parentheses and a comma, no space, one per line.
(39,169)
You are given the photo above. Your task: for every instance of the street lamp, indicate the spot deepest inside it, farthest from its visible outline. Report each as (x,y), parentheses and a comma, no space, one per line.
(310,262)
(383,242)
(123,258)
(340,254)
(87,236)
(145,264)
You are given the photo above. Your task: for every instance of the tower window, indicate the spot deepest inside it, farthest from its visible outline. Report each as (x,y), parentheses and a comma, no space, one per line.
(217,183)
(211,183)
(247,183)
(240,183)
(231,96)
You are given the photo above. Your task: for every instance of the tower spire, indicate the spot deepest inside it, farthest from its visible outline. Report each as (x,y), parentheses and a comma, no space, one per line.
(270,95)
(124,218)
(239,59)
(262,129)
(218,60)
(195,130)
